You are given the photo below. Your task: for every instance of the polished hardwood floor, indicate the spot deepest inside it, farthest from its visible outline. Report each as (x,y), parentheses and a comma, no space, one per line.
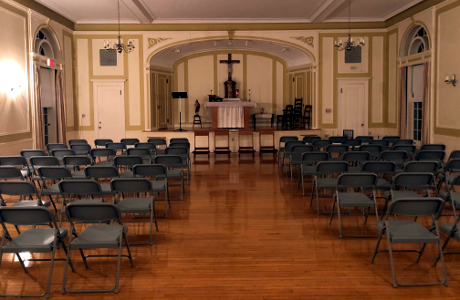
(244,231)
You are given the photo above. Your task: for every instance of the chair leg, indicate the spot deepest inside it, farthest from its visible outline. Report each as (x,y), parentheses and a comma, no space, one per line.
(118,263)
(129,251)
(66,269)
(377,246)
(442,249)
(332,211)
(50,275)
(154,211)
(443,266)
(390,250)
(22,263)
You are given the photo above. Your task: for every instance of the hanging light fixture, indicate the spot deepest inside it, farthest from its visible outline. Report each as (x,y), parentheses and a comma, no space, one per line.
(349,44)
(119,46)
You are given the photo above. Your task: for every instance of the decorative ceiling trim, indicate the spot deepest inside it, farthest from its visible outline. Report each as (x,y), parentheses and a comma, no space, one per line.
(309,40)
(155,41)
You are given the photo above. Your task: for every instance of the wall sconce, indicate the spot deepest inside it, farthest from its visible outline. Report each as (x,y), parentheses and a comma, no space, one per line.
(452,80)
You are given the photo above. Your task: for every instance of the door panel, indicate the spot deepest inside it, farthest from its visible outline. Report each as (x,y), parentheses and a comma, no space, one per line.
(162,102)
(414,103)
(110,117)
(353,114)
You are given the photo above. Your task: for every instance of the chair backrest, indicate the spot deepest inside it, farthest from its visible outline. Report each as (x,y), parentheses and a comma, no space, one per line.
(139,151)
(379,167)
(149,146)
(81,148)
(129,141)
(403,142)
(453,165)
(116,146)
(156,141)
(337,139)
(10,172)
(415,207)
(370,148)
(352,142)
(13,161)
(356,156)
(127,161)
(441,147)
(179,144)
(80,187)
(321,143)
(365,138)
(54,173)
(455,182)
(168,160)
(348,133)
(383,143)
(102,153)
(351,180)
(310,139)
(331,167)
(131,185)
(33,152)
(433,155)
(177,150)
(27,216)
(55,146)
(337,149)
(285,139)
(288,145)
(44,161)
(100,172)
(93,212)
(179,140)
(60,153)
(301,148)
(397,156)
(454,154)
(18,188)
(391,138)
(77,141)
(289,109)
(410,149)
(415,181)
(77,160)
(314,157)
(150,170)
(421,166)
(102,142)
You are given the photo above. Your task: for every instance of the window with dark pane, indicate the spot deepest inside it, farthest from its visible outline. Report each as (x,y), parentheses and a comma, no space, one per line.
(417,136)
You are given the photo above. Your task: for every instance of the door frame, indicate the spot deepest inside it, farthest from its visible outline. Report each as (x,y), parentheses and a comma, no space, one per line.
(120,83)
(347,81)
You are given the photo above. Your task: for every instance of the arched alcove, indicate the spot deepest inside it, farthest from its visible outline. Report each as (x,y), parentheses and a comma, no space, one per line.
(46,44)
(415,41)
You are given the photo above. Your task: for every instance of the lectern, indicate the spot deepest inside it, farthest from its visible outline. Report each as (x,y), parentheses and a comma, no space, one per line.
(180,95)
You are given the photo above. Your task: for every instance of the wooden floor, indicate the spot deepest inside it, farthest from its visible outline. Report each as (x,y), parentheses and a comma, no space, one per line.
(245,232)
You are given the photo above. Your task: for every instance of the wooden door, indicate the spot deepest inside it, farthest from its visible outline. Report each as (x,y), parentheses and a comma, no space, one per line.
(353,107)
(109,109)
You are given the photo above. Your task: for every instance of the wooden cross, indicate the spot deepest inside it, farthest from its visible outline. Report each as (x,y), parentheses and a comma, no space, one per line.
(230,62)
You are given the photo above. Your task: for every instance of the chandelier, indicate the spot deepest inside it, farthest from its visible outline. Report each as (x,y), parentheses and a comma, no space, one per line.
(349,44)
(119,46)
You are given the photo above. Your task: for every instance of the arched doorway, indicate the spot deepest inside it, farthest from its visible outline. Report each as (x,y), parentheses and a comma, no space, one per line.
(415,85)
(194,67)
(49,109)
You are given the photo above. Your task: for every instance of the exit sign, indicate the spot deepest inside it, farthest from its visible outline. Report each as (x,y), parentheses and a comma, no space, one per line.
(50,62)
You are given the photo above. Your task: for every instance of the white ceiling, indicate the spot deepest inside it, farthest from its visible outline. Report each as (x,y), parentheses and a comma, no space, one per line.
(212,11)
(292,56)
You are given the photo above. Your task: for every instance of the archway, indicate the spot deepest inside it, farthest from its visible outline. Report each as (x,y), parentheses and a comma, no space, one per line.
(169,65)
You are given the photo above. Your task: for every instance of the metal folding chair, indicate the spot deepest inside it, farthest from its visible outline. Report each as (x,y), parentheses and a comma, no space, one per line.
(321,144)
(41,161)
(324,180)
(430,147)
(364,199)
(158,143)
(129,141)
(410,231)
(308,166)
(352,143)
(103,157)
(102,142)
(119,148)
(184,153)
(135,204)
(23,189)
(337,139)
(384,143)
(364,139)
(282,144)
(81,149)
(295,157)
(339,150)
(145,153)
(174,170)
(102,174)
(125,165)
(99,236)
(310,139)
(77,163)
(287,151)
(18,161)
(179,140)
(35,240)
(403,142)
(50,147)
(77,141)
(10,173)
(373,149)
(60,153)
(355,160)
(53,174)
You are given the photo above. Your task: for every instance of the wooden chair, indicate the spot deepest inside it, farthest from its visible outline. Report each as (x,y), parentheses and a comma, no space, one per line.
(267,149)
(201,150)
(246,149)
(307,117)
(288,117)
(297,119)
(222,150)
(197,121)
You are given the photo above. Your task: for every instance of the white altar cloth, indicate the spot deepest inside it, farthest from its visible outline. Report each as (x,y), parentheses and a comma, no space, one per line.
(230,114)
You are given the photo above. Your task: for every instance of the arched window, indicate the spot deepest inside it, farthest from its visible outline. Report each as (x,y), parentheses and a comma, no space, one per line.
(416,41)
(46,45)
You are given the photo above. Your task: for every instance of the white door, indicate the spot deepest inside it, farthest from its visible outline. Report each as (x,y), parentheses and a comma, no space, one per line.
(353,112)
(162,102)
(414,103)
(109,109)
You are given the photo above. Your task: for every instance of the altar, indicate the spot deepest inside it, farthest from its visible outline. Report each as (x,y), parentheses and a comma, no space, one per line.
(230,114)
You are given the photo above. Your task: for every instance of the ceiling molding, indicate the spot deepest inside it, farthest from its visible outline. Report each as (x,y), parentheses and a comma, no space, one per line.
(139,11)
(426,4)
(326,10)
(39,8)
(401,9)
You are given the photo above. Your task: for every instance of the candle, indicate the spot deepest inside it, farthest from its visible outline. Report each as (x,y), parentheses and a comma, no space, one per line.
(447,78)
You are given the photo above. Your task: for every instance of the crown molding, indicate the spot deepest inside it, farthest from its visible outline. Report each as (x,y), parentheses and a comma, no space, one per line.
(37,7)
